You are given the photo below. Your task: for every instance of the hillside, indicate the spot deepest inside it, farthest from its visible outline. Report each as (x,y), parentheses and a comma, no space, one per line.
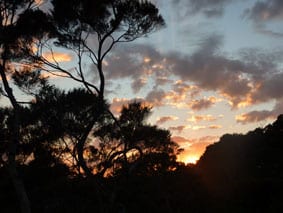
(246,170)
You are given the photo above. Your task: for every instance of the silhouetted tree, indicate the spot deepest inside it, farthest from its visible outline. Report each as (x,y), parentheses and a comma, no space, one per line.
(90,29)
(134,146)
(63,117)
(13,39)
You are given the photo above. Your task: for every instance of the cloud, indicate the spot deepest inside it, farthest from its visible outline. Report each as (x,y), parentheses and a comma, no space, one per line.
(266,10)
(270,88)
(156,97)
(260,115)
(215,127)
(135,63)
(138,84)
(178,129)
(58,57)
(263,12)
(165,119)
(180,140)
(196,127)
(209,8)
(208,69)
(198,118)
(254,116)
(239,80)
(202,103)
(243,80)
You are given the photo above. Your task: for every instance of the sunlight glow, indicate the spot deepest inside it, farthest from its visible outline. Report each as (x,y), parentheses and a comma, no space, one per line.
(146,60)
(58,57)
(191,159)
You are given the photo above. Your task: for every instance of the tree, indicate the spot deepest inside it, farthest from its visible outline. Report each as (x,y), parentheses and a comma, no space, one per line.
(90,29)
(134,147)
(14,38)
(63,117)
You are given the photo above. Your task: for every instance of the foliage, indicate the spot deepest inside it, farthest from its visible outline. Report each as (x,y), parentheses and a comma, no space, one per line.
(132,145)
(246,167)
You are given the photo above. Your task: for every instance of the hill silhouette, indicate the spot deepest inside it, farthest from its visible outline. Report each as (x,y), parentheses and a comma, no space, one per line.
(246,171)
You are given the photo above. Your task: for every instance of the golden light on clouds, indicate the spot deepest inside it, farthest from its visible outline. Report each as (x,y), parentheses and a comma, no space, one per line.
(215,127)
(197,127)
(117,104)
(197,118)
(146,60)
(57,57)
(247,102)
(242,117)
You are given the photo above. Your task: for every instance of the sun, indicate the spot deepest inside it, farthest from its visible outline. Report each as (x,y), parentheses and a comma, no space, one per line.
(190,159)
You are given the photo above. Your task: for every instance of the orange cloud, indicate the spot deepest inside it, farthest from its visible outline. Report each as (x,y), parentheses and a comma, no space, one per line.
(198,118)
(196,127)
(57,57)
(215,127)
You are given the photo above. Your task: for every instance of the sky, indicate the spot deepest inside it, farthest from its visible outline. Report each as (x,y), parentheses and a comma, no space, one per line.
(215,68)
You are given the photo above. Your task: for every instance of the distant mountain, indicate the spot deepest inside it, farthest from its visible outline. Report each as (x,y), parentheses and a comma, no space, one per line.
(247,169)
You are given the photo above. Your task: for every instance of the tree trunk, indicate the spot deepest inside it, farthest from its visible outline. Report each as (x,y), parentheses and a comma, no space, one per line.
(12,165)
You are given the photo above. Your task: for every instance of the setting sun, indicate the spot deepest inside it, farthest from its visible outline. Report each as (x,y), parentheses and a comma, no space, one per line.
(191,159)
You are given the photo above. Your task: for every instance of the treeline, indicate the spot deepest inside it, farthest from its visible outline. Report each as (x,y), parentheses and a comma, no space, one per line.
(240,173)
(244,173)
